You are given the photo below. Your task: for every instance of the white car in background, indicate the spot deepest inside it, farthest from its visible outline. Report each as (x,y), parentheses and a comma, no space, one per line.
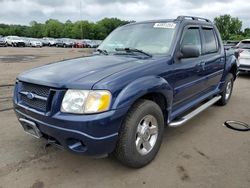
(244,59)
(49,41)
(14,41)
(35,43)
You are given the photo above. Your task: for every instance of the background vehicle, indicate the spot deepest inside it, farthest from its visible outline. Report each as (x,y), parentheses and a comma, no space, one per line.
(230,44)
(146,75)
(2,41)
(79,44)
(64,42)
(14,41)
(90,43)
(44,41)
(98,42)
(49,41)
(35,43)
(26,41)
(244,59)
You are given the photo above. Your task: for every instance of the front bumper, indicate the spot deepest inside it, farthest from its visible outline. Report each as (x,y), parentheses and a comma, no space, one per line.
(244,68)
(83,134)
(244,65)
(36,45)
(19,44)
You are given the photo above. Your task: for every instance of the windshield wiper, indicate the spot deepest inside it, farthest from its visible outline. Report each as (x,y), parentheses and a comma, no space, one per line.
(102,51)
(133,50)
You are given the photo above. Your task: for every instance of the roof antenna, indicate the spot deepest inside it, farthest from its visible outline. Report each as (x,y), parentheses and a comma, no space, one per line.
(81,19)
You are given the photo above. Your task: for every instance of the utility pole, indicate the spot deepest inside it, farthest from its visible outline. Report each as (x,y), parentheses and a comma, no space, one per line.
(81,19)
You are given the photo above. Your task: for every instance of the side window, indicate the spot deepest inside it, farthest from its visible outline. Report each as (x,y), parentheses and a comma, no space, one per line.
(192,37)
(211,44)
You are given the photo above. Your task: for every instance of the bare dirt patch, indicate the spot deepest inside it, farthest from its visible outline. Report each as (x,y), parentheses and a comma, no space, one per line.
(18,58)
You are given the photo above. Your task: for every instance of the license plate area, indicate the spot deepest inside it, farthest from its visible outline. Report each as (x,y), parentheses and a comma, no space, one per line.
(30,128)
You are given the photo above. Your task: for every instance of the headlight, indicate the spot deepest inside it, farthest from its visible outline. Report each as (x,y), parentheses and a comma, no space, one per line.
(85,101)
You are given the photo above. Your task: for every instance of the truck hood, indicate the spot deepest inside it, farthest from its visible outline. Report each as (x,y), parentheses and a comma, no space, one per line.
(80,73)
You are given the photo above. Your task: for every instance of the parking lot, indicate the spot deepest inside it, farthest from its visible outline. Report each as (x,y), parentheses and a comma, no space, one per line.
(202,153)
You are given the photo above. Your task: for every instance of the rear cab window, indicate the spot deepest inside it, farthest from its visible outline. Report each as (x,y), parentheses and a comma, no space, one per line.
(210,44)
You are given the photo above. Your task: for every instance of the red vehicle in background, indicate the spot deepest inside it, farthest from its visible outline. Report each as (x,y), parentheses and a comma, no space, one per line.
(79,44)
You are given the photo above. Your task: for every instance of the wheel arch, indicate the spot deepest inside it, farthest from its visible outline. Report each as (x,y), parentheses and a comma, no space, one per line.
(234,70)
(151,88)
(231,67)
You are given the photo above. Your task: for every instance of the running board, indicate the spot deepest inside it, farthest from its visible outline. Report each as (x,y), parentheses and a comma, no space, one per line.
(184,119)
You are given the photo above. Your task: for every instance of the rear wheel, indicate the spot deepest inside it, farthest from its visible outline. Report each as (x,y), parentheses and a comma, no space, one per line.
(141,134)
(227,90)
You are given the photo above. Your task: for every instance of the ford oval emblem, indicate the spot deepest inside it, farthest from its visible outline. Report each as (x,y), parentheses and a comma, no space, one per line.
(30,95)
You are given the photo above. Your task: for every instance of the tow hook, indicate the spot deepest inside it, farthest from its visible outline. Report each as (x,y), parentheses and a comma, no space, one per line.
(51,142)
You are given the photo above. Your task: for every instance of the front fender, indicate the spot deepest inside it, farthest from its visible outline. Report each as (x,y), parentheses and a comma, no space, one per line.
(142,86)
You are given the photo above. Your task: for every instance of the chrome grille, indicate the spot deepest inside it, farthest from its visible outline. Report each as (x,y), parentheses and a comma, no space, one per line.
(41,92)
(36,89)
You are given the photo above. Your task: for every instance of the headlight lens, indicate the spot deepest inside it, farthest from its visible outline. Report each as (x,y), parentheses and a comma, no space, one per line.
(86,102)
(98,101)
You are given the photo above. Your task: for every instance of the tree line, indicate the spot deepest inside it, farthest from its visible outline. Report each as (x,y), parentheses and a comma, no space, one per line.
(229,27)
(56,29)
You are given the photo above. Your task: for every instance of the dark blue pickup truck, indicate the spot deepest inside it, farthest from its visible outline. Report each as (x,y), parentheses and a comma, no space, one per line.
(144,76)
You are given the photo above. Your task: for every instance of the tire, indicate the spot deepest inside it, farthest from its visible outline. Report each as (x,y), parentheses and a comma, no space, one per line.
(226,90)
(126,150)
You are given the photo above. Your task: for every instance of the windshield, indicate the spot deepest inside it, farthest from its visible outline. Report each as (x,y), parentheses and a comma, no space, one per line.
(16,38)
(153,38)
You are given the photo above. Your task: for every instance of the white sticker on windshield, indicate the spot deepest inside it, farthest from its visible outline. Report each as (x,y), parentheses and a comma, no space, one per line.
(168,25)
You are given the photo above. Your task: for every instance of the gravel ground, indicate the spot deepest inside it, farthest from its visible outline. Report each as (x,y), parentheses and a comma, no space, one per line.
(202,153)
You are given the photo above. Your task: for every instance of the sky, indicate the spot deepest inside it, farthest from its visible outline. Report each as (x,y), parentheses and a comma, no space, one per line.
(24,11)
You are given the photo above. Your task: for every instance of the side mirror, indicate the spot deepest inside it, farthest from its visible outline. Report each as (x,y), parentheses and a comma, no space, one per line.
(188,51)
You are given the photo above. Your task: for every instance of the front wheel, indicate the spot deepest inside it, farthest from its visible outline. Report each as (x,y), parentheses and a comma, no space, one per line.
(141,134)
(226,90)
